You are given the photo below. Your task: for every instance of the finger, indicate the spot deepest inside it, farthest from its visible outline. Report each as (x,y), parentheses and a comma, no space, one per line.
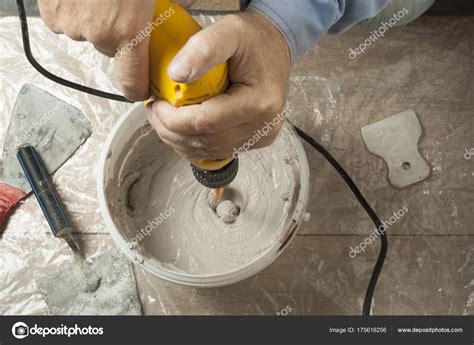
(186,146)
(70,27)
(177,140)
(47,10)
(219,145)
(178,145)
(217,114)
(206,49)
(209,142)
(194,156)
(229,151)
(172,139)
(131,70)
(104,50)
(245,145)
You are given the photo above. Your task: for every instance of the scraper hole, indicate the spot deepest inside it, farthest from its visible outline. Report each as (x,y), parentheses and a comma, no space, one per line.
(177,91)
(406,165)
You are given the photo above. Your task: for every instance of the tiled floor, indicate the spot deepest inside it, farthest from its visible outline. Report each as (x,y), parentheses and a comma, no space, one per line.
(426,66)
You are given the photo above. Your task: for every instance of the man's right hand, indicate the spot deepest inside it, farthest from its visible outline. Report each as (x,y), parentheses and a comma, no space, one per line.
(109,25)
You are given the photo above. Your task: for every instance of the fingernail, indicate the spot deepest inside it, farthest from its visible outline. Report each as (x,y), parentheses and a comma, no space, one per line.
(149,103)
(179,70)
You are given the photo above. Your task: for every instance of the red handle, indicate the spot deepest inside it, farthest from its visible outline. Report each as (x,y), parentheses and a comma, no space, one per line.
(9,198)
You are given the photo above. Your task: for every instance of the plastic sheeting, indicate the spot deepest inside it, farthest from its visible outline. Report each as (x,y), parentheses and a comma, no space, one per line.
(429,268)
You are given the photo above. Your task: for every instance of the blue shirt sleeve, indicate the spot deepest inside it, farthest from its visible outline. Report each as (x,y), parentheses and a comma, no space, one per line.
(303,22)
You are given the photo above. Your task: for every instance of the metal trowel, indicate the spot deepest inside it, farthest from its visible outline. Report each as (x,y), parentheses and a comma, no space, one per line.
(54,127)
(103,286)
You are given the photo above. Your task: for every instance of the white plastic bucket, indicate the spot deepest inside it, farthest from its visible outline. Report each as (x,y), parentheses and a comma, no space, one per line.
(116,142)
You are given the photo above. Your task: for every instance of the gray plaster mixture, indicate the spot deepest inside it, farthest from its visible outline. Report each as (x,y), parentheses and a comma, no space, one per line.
(160,208)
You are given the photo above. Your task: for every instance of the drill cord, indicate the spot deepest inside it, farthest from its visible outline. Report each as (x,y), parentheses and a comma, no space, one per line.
(49,75)
(375,219)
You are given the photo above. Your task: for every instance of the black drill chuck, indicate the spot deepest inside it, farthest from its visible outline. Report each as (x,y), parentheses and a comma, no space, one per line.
(217,178)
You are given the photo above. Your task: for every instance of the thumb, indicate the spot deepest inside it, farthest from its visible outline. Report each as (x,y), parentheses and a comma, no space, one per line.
(131,70)
(205,49)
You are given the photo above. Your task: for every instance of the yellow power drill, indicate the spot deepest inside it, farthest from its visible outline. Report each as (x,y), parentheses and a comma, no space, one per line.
(173,27)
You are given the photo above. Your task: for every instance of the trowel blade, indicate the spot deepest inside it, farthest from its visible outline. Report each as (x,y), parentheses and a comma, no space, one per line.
(68,292)
(55,128)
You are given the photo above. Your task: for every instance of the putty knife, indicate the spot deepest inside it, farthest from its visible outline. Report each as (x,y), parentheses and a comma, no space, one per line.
(104,286)
(42,120)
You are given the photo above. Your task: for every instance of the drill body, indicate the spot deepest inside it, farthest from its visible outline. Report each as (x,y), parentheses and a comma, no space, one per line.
(172,27)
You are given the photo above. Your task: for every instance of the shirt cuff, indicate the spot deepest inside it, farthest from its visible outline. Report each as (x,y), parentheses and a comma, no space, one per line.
(301,22)
(304,22)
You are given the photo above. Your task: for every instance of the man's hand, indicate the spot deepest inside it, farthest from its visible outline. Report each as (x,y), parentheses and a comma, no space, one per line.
(111,26)
(259,63)
(259,66)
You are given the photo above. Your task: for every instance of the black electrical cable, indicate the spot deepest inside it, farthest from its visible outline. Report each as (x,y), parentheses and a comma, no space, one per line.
(375,219)
(49,75)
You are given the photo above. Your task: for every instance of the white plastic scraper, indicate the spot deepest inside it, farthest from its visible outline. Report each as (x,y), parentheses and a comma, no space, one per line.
(395,139)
